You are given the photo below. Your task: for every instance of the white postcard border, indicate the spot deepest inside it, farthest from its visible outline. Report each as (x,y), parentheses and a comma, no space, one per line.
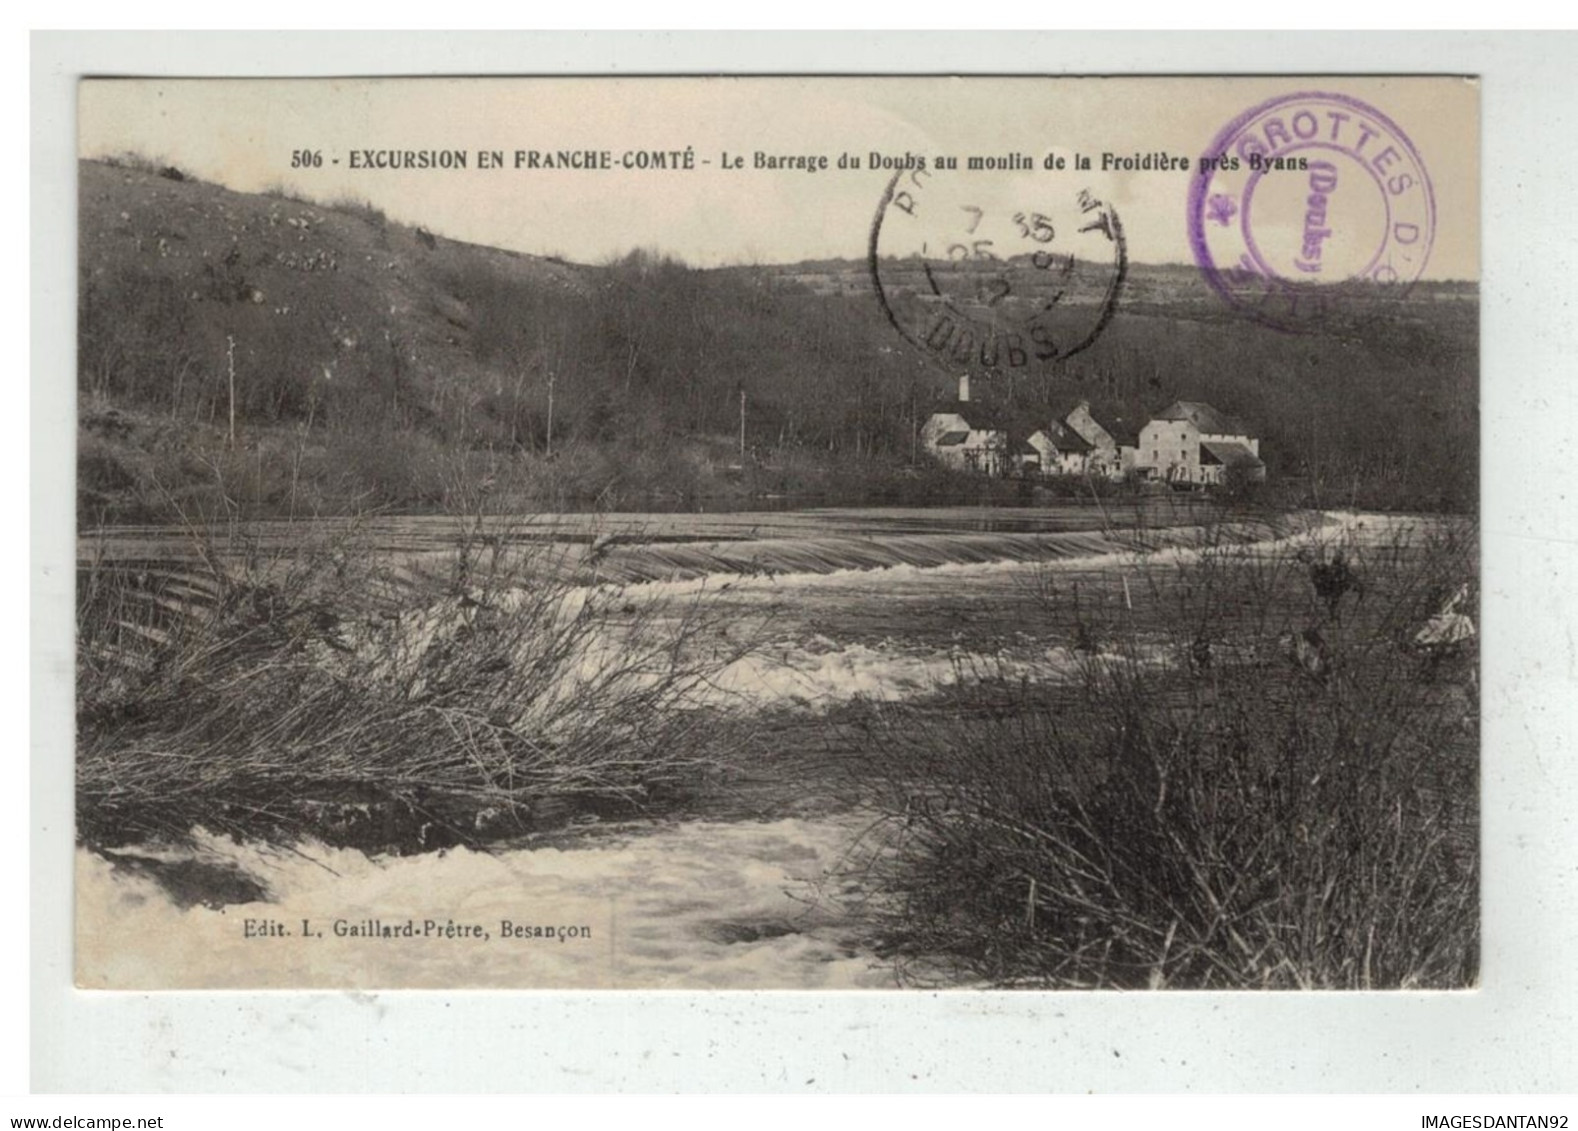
(1515,1033)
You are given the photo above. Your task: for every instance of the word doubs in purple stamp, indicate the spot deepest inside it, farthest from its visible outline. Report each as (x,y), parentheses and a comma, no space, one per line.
(1309,206)
(995,272)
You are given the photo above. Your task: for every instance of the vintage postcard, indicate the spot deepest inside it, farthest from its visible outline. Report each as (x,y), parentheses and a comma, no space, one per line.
(786,533)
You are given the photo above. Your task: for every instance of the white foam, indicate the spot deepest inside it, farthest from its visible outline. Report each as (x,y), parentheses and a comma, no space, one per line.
(698,905)
(818,677)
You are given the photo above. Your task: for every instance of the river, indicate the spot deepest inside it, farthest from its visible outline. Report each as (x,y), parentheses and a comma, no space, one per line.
(743,899)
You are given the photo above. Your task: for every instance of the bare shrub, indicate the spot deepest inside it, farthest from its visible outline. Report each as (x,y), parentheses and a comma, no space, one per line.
(131,159)
(286,684)
(1199,809)
(391,467)
(361,207)
(277,191)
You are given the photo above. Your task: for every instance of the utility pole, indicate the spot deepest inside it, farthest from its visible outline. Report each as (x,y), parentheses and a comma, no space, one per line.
(742,425)
(230,363)
(550,414)
(515,409)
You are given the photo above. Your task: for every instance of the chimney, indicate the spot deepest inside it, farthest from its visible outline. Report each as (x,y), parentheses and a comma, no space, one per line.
(964,388)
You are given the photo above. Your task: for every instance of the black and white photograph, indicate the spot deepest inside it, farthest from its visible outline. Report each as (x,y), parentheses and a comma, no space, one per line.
(792,533)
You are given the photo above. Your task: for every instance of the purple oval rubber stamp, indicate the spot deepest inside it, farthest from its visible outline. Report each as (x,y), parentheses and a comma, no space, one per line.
(997,274)
(1309,206)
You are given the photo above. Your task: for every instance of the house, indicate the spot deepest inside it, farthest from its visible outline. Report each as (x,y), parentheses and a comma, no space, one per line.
(1112,451)
(1127,443)
(1061,450)
(1189,442)
(968,438)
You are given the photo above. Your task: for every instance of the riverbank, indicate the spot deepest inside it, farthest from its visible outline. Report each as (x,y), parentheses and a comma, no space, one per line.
(850,694)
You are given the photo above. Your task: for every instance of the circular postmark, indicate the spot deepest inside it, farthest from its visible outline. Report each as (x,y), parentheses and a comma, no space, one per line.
(998,273)
(1311,207)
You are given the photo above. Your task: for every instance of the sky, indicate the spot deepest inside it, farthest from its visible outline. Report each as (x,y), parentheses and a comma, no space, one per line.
(242,134)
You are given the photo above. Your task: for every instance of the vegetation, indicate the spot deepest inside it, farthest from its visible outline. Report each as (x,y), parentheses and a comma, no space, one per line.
(1246,784)
(622,384)
(325,692)
(1222,800)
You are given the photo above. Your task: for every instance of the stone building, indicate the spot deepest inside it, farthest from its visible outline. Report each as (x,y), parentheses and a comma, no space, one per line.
(1189,442)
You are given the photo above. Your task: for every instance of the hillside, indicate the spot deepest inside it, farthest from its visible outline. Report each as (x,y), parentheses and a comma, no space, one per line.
(376,364)
(336,280)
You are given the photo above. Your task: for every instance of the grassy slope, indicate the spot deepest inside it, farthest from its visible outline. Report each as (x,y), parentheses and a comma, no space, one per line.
(333,281)
(332,310)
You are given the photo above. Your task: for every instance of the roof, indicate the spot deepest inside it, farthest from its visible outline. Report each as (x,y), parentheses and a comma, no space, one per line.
(1068,440)
(940,415)
(1063,439)
(978,416)
(1117,431)
(1203,417)
(1071,409)
(1093,431)
(1123,435)
(981,420)
(1059,439)
(1229,454)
